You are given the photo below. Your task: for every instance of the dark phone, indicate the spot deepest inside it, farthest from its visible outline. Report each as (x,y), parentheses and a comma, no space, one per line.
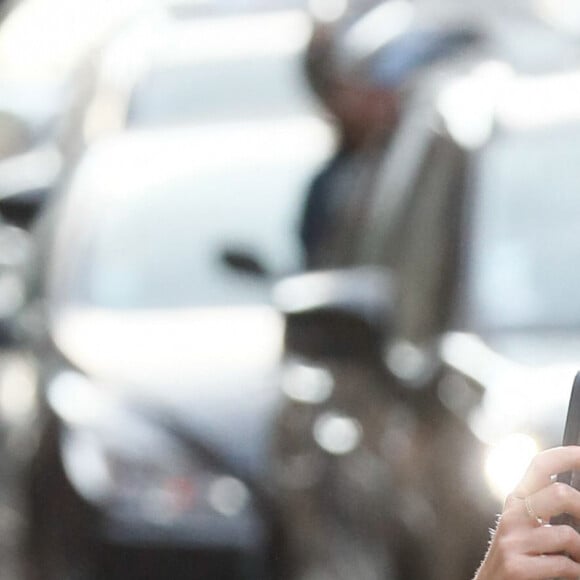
(571,437)
(572,429)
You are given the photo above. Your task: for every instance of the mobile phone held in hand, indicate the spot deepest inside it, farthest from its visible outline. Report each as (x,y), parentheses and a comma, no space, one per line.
(572,428)
(571,437)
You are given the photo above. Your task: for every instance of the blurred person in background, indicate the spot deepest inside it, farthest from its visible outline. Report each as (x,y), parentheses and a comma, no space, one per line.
(524,545)
(363,67)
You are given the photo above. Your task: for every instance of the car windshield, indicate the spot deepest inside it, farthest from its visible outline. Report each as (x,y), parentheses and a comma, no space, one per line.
(525,249)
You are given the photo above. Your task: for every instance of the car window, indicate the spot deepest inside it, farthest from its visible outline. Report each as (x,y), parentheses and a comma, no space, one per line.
(525,247)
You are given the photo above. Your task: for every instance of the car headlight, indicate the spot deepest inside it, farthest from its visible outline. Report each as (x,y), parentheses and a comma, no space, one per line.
(133,467)
(507,460)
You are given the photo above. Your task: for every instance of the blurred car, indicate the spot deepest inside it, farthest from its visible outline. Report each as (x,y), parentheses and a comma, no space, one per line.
(35,90)
(37,79)
(155,359)
(166,67)
(152,356)
(420,381)
(34,75)
(161,70)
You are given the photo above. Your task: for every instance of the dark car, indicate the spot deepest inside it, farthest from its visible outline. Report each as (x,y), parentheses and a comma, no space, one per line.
(156,362)
(420,380)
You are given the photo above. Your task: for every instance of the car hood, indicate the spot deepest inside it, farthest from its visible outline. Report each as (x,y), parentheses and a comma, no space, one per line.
(526,378)
(211,374)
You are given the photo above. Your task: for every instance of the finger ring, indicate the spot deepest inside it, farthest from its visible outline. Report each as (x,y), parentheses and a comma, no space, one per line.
(531,511)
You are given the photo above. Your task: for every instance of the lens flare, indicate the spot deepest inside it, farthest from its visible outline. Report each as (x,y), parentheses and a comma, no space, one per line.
(507,461)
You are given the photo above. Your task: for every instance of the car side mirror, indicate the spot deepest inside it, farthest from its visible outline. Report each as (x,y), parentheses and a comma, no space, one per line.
(26,182)
(342,313)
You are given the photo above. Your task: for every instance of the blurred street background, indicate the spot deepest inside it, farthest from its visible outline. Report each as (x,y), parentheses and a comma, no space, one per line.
(265,263)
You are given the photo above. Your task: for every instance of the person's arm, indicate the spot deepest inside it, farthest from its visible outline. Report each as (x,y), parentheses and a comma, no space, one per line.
(524,546)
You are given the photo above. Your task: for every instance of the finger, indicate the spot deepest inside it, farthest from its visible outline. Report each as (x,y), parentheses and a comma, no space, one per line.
(551,540)
(516,512)
(555,499)
(552,566)
(545,465)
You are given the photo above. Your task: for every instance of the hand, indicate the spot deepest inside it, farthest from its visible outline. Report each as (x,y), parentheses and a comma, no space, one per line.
(524,546)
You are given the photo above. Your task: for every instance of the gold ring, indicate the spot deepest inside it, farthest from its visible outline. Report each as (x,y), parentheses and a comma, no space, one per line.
(531,511)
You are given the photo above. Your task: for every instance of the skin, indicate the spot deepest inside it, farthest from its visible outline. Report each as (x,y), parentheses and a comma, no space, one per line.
(364,113)
(522,548)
